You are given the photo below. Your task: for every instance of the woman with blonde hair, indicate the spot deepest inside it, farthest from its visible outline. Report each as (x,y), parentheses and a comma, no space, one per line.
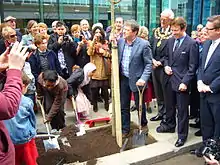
(43,29)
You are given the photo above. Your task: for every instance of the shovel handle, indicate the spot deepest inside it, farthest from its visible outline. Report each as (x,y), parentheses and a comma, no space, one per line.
(44,116)
(74,108)
(140,92)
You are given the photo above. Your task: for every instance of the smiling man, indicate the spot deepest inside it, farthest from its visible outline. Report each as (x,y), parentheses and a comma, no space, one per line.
(135,62)
(180,64)
(209,81)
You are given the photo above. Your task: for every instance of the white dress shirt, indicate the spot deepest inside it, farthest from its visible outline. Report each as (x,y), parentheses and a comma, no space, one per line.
(212,48)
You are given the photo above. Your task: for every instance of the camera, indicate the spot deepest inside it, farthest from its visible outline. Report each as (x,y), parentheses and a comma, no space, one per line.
(80,38)
(66,38)
(211,147)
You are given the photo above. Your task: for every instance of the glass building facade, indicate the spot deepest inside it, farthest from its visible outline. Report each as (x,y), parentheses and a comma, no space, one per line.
(146,12)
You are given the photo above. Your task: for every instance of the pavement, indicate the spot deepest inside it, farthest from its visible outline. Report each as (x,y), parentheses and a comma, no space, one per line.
(162,150)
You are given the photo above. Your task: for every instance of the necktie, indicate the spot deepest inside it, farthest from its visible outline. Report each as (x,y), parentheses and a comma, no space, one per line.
(177,45)
(87,35)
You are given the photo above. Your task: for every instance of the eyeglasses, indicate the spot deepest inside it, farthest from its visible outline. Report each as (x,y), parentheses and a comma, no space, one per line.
(211,28)
(13,36)
(11,21)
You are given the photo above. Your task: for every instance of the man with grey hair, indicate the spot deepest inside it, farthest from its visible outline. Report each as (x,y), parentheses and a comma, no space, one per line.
(119,23)
(159,43)
(84,24)
(54,23)
(135,63)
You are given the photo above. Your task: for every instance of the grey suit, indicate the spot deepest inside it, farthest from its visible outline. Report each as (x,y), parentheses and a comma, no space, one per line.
(140,67)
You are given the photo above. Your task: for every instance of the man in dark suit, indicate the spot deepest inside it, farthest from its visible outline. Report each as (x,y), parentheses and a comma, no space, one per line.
(135,60)
(209,81)
(181,63)
(159,43)
(84,24)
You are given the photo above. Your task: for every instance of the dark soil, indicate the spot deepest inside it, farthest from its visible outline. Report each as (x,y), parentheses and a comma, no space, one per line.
(92,145)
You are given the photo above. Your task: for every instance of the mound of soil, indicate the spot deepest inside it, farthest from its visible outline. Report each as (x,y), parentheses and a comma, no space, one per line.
(92,145)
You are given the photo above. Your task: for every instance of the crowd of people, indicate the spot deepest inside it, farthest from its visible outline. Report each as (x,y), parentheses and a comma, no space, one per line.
(181,72)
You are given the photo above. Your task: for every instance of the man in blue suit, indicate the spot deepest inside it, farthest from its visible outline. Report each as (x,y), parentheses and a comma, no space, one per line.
(135,63)
(180,65)
(209,81)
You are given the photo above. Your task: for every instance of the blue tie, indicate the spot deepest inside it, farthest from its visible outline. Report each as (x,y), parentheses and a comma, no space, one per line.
(177,45)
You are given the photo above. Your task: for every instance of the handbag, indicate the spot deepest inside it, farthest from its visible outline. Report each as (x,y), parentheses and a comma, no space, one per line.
(107,65)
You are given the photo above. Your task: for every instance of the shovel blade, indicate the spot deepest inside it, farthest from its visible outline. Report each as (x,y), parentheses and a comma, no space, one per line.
(139,139)
(51,143)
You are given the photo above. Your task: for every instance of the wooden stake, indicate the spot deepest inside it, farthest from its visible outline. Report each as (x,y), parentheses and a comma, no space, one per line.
(116,104)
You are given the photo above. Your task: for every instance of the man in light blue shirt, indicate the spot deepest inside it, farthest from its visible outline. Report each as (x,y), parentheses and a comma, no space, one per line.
(135,61)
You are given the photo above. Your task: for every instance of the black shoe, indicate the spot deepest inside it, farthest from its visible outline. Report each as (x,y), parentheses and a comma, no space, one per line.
(95,108)
(133,108)
(106,106)
(156,118)
(163,129)
(197,125)
(180,142)
(198,133)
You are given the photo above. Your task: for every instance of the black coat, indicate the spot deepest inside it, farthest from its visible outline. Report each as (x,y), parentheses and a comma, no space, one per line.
(69,50)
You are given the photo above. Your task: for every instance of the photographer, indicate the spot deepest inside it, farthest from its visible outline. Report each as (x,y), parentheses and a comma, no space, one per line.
(64,47)
(10,97)
(82,57)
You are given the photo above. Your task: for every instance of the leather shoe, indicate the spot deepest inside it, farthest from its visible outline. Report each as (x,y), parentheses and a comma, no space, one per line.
(198,133)
(197,125)
(162,129)
(125,135)
(156,118)
(180,142)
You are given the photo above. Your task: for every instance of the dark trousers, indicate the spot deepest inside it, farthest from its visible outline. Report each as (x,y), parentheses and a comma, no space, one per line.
(58,120)
(179,101)
(87,91)
(194,99)
(159,89)
(125,97)
(210,118)
(95,95)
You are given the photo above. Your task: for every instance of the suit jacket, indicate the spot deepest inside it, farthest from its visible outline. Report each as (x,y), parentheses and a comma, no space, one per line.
(140,65)
(90,34)
(210,75)
(158,52)
(183,62)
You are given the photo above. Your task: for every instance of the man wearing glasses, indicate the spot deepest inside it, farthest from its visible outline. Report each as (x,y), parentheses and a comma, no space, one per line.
(9,38)
(209,81)
(11,21)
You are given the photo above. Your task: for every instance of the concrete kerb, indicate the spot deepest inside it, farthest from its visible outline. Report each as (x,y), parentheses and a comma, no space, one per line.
(145,155)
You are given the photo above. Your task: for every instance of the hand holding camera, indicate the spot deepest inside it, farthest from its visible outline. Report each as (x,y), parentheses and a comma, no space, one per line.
(60,39)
